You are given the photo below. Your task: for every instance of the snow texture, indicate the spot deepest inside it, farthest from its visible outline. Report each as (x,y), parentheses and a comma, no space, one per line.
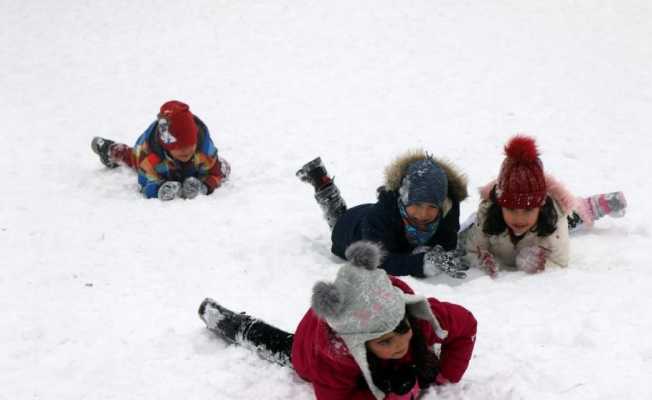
(99,287)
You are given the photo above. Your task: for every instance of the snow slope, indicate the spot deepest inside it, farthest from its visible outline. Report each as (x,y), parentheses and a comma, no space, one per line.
(99,287)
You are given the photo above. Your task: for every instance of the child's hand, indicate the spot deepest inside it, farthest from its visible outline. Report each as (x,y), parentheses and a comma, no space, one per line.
(437,260)
(411,395)
(532,259)
(169,190)
(488,263)
(192,187)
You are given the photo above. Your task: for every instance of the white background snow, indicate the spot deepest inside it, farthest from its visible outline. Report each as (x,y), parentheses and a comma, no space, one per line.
(99,287)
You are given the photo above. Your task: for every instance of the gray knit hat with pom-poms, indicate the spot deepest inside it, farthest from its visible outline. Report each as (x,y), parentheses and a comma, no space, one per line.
(362,304)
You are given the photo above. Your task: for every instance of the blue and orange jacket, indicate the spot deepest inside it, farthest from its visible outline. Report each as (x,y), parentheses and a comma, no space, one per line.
(155,166)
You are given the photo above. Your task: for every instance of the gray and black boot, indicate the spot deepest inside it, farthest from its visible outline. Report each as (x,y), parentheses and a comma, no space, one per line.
(102,148)
(327,193)
(227,324)
(269,342)
(315,174)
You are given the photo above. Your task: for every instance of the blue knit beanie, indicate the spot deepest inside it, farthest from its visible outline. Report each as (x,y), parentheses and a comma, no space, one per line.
(424,182)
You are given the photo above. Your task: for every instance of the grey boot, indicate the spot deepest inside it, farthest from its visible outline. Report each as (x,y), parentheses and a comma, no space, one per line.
(315,174)
(331,203)
(102,147)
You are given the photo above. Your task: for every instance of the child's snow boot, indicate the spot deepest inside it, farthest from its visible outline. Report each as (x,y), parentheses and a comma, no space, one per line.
(327,193)
(331,202)
(102,148)
(224,322)
(315,174)
(592,208)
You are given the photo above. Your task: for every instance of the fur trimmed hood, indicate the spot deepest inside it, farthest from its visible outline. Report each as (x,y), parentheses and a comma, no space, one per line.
(394,173)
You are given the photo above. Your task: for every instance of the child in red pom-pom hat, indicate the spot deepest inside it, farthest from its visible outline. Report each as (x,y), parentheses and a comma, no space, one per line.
(174,157)
(525,215)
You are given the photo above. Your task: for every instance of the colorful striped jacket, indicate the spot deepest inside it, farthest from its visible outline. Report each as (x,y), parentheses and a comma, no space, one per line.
(155,166)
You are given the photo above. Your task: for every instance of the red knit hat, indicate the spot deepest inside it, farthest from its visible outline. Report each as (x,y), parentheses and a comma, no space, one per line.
(521,183)
(176,126)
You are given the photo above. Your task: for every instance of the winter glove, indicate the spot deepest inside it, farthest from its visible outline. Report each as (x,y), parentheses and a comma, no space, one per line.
(532,259)
(192,187)
(437,261)
(488,263)
(169,190)
(411,395)
(402,384)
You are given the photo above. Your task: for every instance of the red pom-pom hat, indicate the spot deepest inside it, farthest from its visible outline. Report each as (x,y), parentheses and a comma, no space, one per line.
(176,126)
(521,182)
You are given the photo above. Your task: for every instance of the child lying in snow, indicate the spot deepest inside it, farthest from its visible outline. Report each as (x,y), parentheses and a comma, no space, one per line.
(524,218)
(367,335)
(174,157)
(415,218)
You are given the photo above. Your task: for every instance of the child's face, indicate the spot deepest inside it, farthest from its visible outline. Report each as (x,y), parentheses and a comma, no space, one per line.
(183,154)
(520,220)
(391,346)
(421,214)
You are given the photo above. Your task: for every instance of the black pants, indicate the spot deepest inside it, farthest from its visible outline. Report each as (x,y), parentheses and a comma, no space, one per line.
(269,342)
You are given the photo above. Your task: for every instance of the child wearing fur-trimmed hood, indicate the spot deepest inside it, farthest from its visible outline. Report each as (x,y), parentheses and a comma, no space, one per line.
(367,336)
(415,218)
(524,218)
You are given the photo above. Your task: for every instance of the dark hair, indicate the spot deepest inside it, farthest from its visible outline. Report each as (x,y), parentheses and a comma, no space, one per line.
(494,224)
(401,379)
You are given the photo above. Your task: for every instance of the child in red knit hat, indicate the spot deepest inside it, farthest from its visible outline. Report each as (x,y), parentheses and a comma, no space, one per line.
(525,215)
(174,157)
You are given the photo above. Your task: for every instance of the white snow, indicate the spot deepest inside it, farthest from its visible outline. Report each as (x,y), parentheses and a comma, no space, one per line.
(99,287)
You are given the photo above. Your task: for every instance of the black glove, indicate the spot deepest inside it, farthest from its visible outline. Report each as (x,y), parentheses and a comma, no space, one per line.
(438,260)
(169,190)
(403,380)
(192,187)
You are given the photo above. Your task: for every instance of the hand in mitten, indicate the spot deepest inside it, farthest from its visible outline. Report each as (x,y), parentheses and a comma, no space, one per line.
(532,259)
(488,263)
(192,187)
(438,260)
(411,395)
(403,384)
(169,190)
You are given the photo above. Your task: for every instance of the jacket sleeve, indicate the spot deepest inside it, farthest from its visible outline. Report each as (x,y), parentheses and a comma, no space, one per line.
(446,235)
(457,347)
(377,227)
(558,243)
(338,378)
(210,166)
(474,240)
(148,177)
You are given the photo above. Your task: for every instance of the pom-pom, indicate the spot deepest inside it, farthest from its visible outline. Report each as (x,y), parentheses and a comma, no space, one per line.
(326,300)
(364,254)
(522,148)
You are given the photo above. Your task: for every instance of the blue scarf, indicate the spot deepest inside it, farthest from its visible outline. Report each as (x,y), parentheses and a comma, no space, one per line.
(415,236)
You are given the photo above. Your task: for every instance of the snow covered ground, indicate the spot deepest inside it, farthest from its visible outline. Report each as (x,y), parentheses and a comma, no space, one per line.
(99,287)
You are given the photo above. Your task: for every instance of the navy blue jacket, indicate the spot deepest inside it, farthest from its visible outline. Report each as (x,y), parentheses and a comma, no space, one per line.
(382,223)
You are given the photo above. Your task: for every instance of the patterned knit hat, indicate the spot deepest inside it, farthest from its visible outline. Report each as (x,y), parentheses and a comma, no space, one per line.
(362,304)
(424,182)
(521,182)
(176,126)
